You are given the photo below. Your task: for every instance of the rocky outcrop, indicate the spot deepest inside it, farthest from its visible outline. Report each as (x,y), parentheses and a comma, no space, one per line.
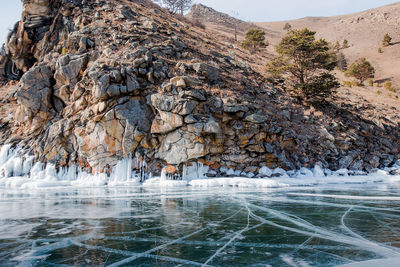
(105,80)
(210,16)
(34,96)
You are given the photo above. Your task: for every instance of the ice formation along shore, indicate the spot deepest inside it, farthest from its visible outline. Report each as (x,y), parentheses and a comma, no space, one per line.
(18,171)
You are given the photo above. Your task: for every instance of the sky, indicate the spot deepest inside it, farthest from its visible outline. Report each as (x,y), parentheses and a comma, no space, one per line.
(249,10)
(10,13)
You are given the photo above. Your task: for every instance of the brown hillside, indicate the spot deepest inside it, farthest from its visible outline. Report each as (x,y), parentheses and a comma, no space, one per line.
(364,31)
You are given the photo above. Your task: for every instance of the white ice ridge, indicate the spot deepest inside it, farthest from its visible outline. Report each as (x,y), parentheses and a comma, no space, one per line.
(372,198)
(18,170)
(391,262)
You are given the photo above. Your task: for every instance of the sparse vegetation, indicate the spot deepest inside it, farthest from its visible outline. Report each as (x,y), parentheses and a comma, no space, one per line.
(287,27)
(379,92)
(336,47)
(235,24)
(198,23)
(255,38)
(387,40)
(370,82)
(345,44)
(307,63)
(191,22)
(361,69)
(389,86)
(380,50)
(347,84)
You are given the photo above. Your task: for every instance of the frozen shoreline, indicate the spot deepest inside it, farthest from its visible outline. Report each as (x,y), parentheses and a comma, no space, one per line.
(23,173)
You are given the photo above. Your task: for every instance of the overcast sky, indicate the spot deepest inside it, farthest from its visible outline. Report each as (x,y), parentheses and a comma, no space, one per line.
(250,10)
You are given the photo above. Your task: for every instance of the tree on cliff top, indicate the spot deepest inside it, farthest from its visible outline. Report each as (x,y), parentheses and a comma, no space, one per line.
(306,63)
(255,38)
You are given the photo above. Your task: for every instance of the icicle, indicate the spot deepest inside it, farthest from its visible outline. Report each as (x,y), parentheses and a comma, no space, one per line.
(17,166)
(68,173)
(28,164)
(37,172)
(4,152)
(163,174)
(50,172)
(184,173)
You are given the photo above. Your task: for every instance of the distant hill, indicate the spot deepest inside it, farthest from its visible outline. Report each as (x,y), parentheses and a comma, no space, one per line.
(364,31)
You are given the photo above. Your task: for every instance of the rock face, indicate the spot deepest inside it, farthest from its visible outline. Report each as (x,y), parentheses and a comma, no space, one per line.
(208,15)
(102,80)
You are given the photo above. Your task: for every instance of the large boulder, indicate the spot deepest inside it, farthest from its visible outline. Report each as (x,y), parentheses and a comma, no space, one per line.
(191,142)
(34,90)
(162,102)
(119,133)
(68,69)
(166,122)
(136,113)
(206,70)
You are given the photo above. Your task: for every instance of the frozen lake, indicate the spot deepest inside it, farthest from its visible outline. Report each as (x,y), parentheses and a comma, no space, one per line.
(325,225)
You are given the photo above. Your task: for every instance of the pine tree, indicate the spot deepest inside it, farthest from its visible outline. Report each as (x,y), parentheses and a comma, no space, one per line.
(361,69)
(386,40)
(336,47)
(307,63)
(255,38)
(345,44)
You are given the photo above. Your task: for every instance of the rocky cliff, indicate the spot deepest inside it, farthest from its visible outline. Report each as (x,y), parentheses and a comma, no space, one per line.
(209,15)
(224,22)
(98,81)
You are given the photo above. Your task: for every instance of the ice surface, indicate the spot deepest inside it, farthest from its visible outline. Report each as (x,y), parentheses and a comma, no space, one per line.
(193,226)
(236,182)
(379,198)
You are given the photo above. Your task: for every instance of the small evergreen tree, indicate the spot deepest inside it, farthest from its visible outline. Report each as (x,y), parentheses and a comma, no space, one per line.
(371,82)
(336,47)
(361,69)
(287,27)
(345,44)
(307,63)
(389,86)
(255,38)
(386,40)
